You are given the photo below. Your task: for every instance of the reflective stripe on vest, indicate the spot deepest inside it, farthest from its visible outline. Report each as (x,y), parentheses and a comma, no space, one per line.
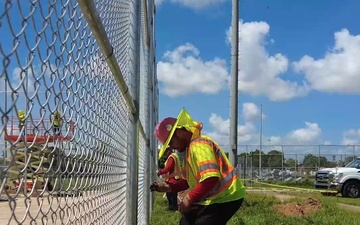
(228,173)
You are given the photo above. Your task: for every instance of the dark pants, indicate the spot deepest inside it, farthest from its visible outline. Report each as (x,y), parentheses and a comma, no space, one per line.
(56,130)
(172,199)
(215,214)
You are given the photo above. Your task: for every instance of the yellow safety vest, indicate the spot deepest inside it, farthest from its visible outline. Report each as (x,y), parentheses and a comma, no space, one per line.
(22,120)
(178,165)
(204,159)
(57,121)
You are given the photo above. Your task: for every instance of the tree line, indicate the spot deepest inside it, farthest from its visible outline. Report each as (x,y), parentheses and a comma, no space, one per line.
(276,159)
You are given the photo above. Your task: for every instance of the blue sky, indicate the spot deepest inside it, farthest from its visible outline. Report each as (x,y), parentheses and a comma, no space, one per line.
(299,59)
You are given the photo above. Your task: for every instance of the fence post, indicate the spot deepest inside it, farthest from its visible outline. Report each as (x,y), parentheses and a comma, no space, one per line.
(319,157)
(246,161)
(282,163)
(296,162)
(354,152)
(134,120)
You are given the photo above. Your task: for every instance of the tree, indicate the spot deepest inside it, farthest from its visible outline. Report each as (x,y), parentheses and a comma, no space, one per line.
(312,161)
(274,159)
(290,162)
(255,158)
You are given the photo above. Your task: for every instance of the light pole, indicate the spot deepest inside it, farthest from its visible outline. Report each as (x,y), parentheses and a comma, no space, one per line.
(234,84)
(260,141)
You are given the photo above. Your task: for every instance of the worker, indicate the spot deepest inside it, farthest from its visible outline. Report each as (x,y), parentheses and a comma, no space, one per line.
(21,115)
(172,166)
(57,122)
(216,190)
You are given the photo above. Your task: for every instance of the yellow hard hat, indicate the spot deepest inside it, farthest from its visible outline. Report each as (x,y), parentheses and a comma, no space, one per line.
(21,112)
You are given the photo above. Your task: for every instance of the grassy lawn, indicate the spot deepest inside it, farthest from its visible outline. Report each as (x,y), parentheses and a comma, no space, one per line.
(272,183)
(258,210)
(333,199)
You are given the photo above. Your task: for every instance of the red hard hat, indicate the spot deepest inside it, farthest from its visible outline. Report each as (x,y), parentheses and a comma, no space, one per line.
(162,129)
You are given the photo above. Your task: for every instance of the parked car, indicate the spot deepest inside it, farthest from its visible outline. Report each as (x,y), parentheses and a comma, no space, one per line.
(345,180)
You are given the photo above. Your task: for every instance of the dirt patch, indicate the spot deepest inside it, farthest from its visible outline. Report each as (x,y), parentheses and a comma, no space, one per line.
(307,207)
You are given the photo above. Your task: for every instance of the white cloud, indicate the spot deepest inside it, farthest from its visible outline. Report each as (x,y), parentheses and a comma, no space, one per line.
(34,72)
(260,72)
(251,112)
(193,4)
(339,70)
(221,130)
(183,72)
(351,137)
(308,135)
(248,134)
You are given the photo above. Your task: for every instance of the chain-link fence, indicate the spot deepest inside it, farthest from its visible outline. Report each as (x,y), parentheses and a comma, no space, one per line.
(292,162)
(79,103)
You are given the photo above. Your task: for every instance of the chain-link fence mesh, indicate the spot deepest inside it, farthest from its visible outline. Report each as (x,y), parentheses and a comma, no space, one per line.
(76,147)
(292,162)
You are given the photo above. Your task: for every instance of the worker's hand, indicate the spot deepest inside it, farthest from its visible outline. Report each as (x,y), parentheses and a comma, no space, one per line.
(160,187)
(158,173)
(185,205)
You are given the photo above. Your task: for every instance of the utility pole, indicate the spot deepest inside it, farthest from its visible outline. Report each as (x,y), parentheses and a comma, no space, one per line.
(260,141)
(234,84)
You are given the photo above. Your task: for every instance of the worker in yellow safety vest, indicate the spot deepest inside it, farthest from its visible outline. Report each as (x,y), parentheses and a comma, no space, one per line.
(216,190)
(57,122)
(21,116)
(172,172)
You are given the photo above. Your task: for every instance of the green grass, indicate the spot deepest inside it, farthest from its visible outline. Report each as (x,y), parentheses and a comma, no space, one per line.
(316,195)
(307,183)
(258,210)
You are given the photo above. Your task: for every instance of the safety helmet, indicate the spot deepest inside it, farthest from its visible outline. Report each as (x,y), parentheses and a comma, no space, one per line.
(21,112)
(165,129)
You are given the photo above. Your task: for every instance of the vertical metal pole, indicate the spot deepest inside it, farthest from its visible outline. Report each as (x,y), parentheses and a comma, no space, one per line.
(282,163)
(5,103)
(319,157)
(296,161)
(26,122)
(354,152)
(133,134)
(246,161)
(260,140)
(234,82)
(269,161)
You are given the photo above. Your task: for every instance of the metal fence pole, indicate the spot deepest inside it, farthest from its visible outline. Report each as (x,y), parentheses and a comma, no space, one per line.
(246,161)
(282,163)
(354,152)
(296,162)
(135,21)
(5,106)
(319,156)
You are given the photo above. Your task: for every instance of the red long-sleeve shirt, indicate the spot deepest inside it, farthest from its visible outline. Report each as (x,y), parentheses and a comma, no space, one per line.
(169,167)
(200,190)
